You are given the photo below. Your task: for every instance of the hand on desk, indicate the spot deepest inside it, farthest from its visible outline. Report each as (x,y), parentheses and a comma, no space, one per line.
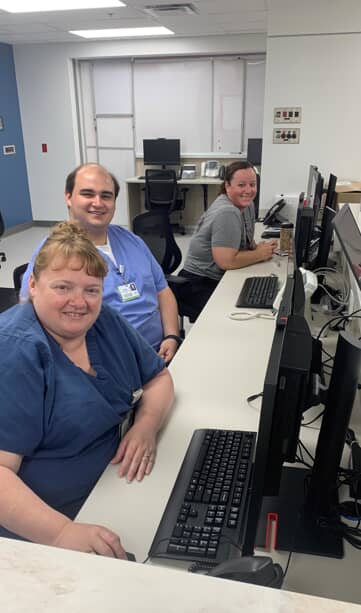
(136,452)
(90,538)
(266,249)
(167,349)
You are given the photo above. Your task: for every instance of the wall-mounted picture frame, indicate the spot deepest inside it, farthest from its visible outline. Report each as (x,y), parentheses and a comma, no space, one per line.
(1,123)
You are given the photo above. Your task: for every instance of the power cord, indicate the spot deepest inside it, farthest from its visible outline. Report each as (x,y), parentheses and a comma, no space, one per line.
(246,316)
(334,299)
(339,320)
(254,397)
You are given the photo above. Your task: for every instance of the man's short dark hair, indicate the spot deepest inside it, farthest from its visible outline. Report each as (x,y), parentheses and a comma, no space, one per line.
(70,180)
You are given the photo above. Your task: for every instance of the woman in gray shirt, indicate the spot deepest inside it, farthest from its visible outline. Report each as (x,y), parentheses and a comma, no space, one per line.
(224,238)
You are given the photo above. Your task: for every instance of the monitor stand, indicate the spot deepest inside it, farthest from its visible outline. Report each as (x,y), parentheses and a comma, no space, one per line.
(291,529)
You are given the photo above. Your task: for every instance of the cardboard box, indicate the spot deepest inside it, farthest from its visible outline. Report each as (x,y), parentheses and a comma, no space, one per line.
(348,191)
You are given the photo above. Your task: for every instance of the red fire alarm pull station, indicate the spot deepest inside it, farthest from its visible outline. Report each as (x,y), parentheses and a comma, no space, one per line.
(44,148)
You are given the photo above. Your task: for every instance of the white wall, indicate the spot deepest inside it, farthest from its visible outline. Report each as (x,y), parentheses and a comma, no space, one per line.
(320,73)
(47,102)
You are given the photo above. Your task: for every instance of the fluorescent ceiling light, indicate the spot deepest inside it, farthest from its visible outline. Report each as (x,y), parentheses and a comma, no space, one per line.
(121,32)
(35,6)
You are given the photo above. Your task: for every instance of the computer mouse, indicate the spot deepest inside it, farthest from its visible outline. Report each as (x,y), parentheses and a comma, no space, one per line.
(130,556)
(259,570)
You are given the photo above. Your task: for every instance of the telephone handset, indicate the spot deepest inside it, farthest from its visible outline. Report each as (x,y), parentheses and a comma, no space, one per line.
(272,217)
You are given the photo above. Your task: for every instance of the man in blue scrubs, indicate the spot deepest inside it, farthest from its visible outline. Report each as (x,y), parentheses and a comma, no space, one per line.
(135,284)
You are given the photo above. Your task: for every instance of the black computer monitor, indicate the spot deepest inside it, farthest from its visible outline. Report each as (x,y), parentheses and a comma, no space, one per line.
(297,498)
(303,231)
(348,233)
(308,231)
(330,200)
(254,151)
(161,151)
(317,198)
(312,180)
(325,240)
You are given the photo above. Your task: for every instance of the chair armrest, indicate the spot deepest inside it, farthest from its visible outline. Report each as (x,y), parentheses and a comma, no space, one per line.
(177,281)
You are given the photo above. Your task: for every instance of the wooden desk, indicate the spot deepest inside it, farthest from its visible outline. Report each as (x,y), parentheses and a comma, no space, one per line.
(135,198)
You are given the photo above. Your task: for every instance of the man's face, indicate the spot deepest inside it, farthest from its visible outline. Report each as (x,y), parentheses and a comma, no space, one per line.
(243,188)
(92,203)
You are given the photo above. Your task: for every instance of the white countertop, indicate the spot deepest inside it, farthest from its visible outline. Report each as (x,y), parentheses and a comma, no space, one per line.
(49,580)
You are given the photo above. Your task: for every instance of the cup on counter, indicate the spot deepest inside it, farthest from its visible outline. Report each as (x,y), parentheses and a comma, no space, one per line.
(286,233)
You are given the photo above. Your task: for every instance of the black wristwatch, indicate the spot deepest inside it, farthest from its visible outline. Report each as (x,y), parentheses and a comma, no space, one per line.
(176,338)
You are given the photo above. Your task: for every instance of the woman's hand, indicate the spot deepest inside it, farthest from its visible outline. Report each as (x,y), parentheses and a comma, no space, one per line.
(90,538)
(266,249)
(136,452)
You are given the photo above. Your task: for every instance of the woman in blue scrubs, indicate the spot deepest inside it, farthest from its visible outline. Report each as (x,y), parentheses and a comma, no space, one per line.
(72,370)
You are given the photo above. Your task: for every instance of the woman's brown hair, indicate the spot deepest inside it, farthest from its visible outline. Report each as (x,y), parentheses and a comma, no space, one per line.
(69,240)
(231,169)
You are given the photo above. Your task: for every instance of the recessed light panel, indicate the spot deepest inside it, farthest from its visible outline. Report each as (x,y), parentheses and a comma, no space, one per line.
(122,32)
(35,6)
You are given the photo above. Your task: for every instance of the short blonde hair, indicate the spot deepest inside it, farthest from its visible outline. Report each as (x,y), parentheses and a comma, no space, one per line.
(69,240)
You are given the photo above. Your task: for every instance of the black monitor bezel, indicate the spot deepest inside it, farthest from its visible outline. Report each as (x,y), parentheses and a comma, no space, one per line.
(330,199)
(254,151)
(153,154)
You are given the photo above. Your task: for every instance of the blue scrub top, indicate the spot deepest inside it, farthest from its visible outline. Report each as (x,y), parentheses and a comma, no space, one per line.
(138,265)
(64,421)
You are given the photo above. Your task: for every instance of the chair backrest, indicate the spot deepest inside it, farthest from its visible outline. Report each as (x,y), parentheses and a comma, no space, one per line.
(18,274)
(160,189)
(2,225)
(155,229)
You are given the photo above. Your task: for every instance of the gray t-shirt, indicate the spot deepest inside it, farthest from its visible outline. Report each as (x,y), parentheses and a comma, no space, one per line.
(222,225)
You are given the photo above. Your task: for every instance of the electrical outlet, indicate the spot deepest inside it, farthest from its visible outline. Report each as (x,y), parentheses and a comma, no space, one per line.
(287,114)
(286,136)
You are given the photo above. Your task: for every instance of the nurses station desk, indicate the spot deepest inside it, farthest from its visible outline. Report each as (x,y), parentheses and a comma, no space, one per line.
(219,365)
(136,196)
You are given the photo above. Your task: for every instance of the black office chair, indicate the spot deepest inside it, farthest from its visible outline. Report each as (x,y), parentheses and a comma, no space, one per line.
(2,230)
(155,229)
(18,274)
(162,193)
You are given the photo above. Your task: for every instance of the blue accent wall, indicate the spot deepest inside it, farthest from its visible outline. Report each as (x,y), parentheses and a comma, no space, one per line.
(15,197)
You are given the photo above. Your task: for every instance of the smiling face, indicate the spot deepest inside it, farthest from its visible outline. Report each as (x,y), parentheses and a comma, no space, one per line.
(92,202)
(66,299)
(242,188)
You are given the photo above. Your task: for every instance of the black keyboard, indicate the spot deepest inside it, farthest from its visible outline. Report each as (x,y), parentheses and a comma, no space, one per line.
(205,514)
(258,292)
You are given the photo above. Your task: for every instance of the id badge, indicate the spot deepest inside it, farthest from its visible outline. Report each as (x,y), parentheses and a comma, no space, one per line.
(128,291)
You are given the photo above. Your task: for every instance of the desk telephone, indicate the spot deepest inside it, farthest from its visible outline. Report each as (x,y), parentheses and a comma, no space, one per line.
(272,217)
(212,168)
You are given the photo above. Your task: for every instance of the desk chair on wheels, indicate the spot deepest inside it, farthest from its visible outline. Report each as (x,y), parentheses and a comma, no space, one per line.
(162,193)
(156,231)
